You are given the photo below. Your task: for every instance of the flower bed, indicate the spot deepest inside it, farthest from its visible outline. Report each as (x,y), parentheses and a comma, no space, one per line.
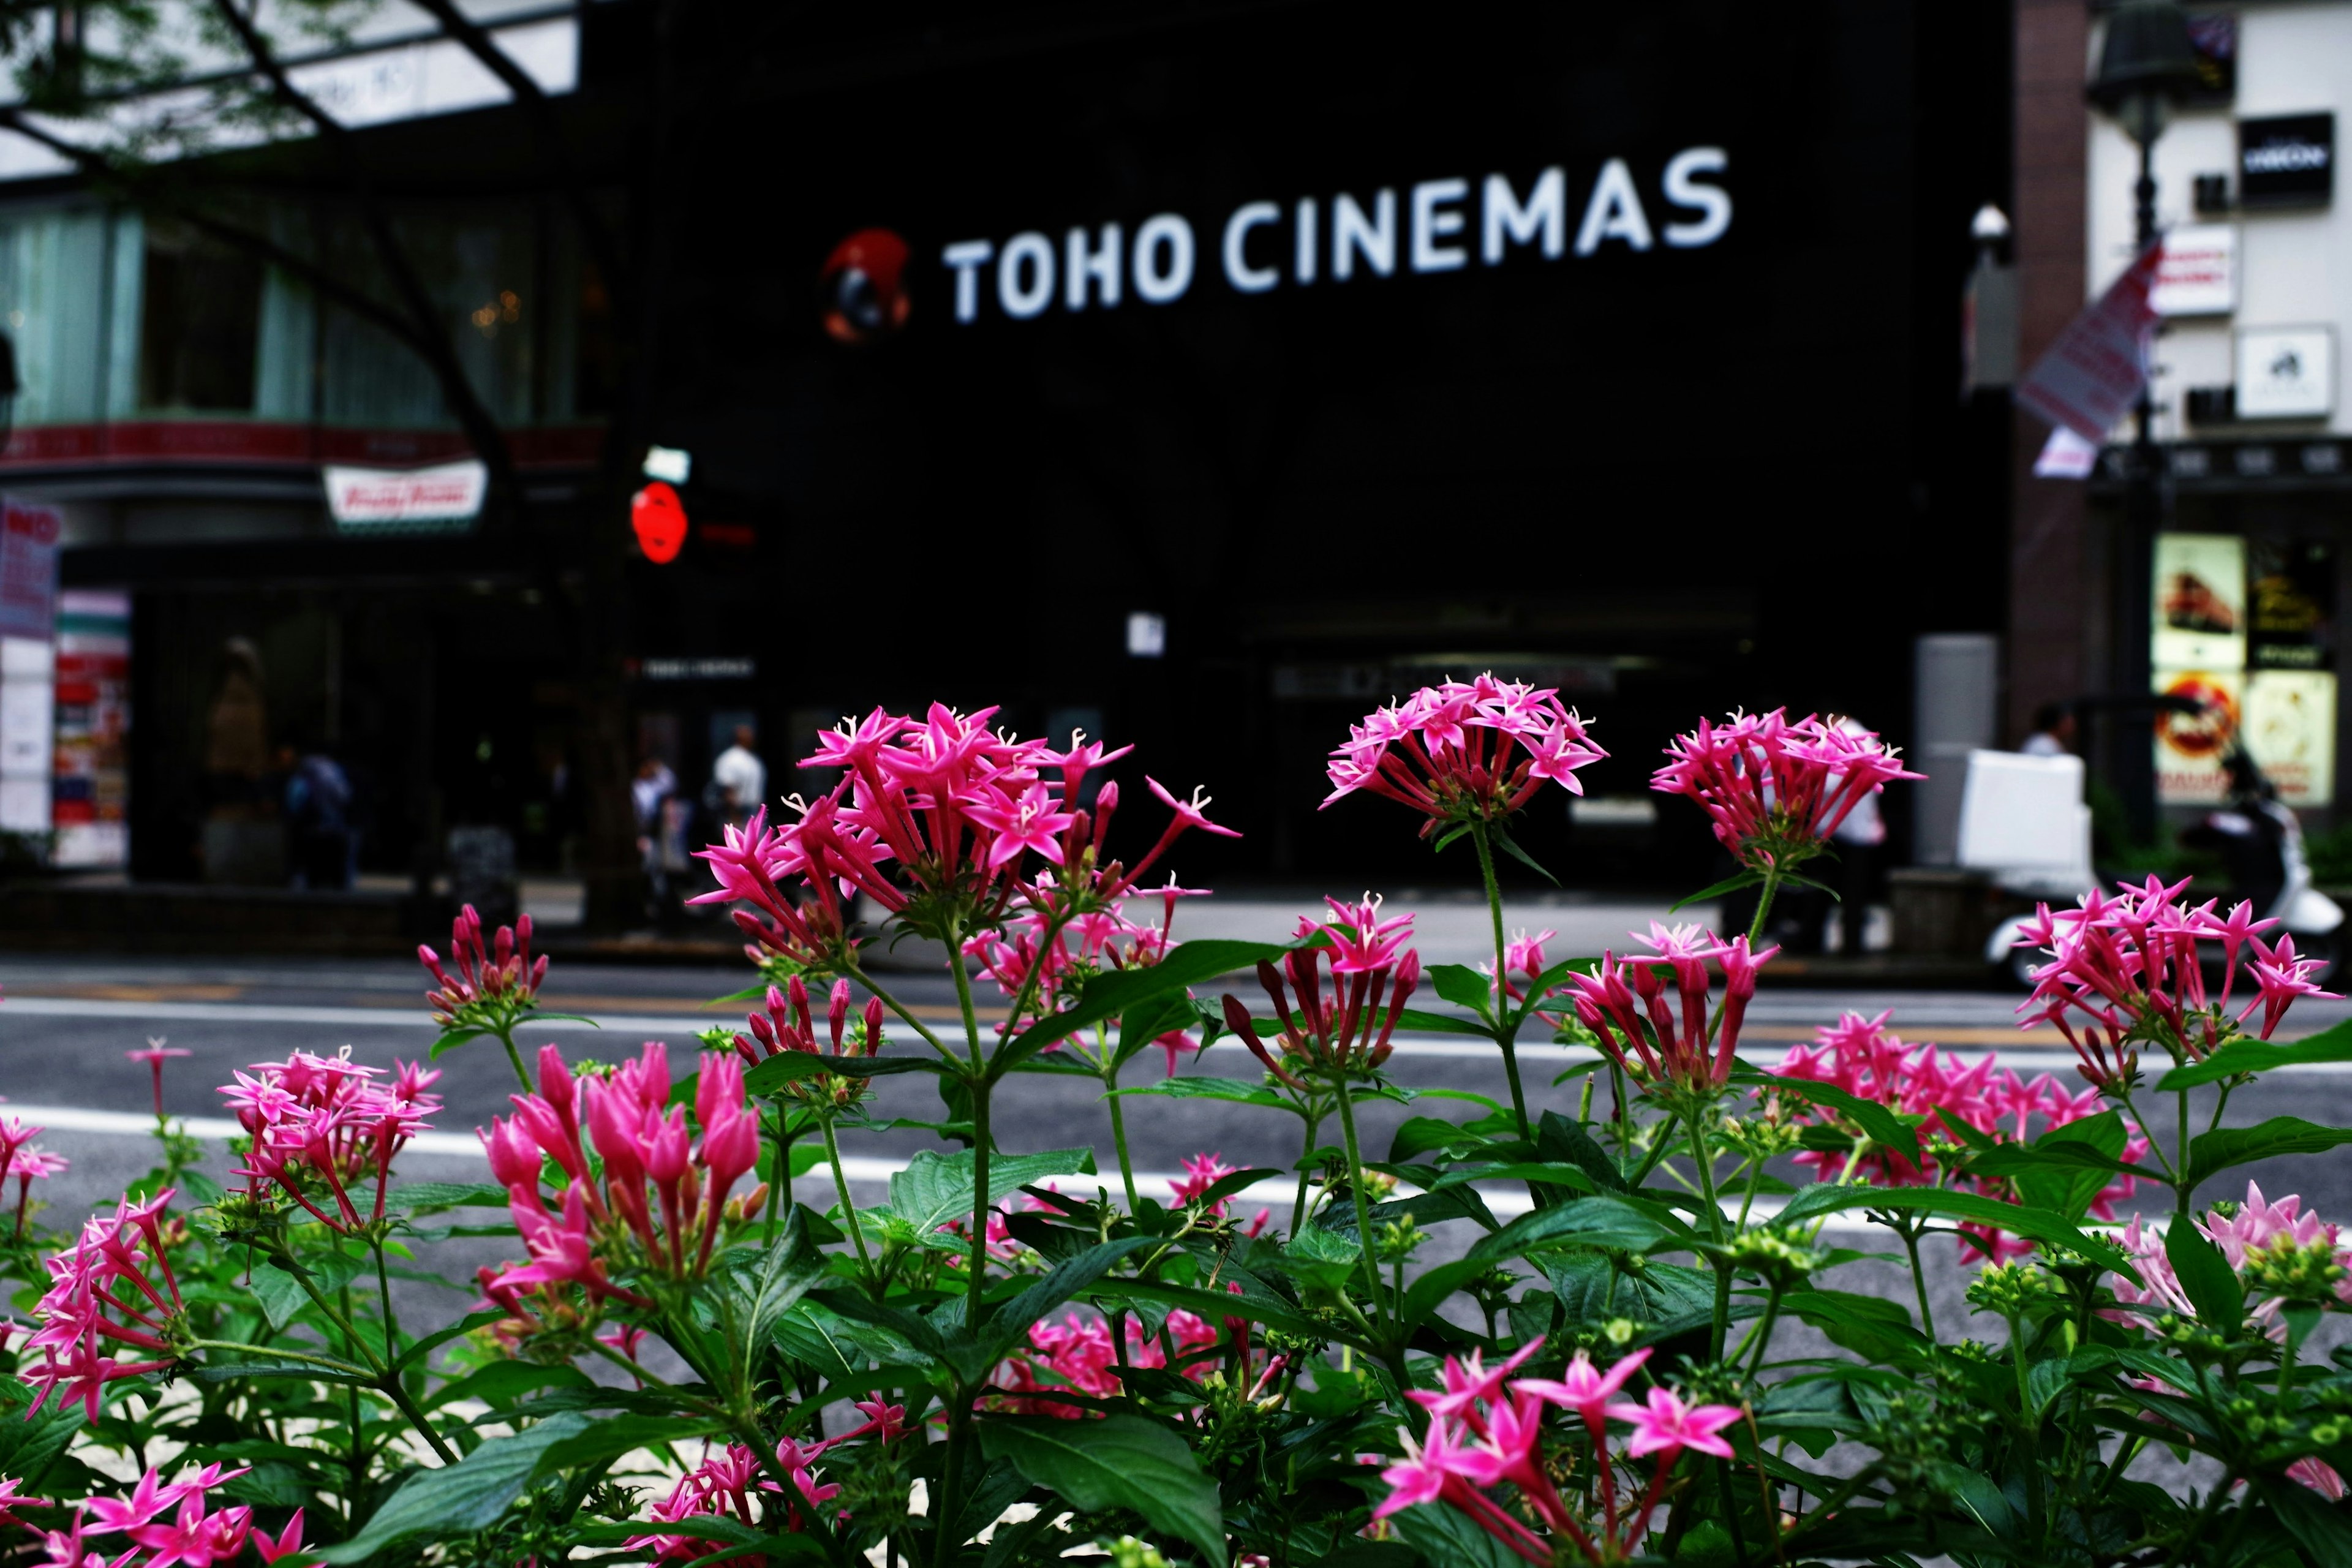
(1018,1356)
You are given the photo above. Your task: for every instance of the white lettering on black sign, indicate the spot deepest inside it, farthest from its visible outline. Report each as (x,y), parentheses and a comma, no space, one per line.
(1435,225)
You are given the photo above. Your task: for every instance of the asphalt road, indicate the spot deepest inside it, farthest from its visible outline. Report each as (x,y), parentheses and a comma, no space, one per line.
(64,1026)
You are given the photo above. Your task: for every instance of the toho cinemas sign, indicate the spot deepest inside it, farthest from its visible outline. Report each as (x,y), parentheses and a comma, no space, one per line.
(1436,225)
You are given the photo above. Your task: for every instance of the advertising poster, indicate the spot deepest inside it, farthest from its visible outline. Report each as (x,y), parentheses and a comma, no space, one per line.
(2290,721)
(92,782)
(2188,746)
(28,569)
(2200,602)
(2291,604)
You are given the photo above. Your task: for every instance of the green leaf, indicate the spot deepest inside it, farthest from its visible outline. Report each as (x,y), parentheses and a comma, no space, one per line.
(2324,1530)
(2206,1277)
(2218,1151)
(794,1066)
(1510,846)
(425,1198)
(1883,1127)
(1120,1461)
(1143,1025)
(282,1296)
(613,1437)
(935,1188)
(1463,986)
(1109,996)
(1448,1538)
(1010,1321)
(2097,1140)
(1869,1326)
(456,1499)
(1728,885)
(1238,1091)
(451,1039)
(2332,1045)
(1558,1138)
(1420,1023)
(2034,1224)
(761,1284)
(1618,1223)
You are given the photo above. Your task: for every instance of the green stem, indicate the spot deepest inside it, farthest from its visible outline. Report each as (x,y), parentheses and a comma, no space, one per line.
(978,1082)
(1705,1163)
(1118,1133)
(2028,1422)
(1763,907)
(779,1174)
(1505,1033)
(1306,1168)
(841,1185)
(2186,1187)
(514,1058)
(342,1367)
(383,1298)
(1356,1187)
(385,1378)
(1919,1282)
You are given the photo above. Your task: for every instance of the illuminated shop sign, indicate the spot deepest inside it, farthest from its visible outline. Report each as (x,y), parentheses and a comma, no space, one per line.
(2287,160)
(1435,225)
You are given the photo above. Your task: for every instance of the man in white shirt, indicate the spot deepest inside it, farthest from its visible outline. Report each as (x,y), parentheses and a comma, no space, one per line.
(2053,732)
(741,775)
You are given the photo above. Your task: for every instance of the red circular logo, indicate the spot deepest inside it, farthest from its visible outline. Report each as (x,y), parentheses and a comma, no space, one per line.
(2206,732)
(864,287)
(659,519)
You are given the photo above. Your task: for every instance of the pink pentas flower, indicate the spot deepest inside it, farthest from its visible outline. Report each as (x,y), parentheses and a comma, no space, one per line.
(329,1117)
(156,1053)
(1347,1028)
(1624,1002)
(1469,1384)
(1076,1357)
(501,974)
(12,1497)
(1464,752)
(1668,1425)
(1776,789)
(2126,965)
(102,1292)
(1584,1388)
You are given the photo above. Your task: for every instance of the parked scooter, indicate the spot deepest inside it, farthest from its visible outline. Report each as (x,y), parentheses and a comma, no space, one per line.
(2255,833)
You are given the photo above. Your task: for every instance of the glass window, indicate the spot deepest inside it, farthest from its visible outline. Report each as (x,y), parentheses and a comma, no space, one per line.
(201,324)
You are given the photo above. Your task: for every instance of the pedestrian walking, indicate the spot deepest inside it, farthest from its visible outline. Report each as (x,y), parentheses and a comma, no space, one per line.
(740,777)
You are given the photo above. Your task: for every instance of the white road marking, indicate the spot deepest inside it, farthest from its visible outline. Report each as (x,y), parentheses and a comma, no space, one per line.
(863,1169)
(2032,1055)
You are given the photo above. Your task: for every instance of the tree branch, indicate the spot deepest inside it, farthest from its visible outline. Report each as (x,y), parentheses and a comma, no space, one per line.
(99,167)
(480,427)
(595,233)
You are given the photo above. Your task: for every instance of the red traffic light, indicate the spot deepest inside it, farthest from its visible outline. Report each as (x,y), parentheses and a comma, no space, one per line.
(659,519)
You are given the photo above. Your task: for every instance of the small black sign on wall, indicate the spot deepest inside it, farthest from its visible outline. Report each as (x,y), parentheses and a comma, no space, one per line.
(2287,160)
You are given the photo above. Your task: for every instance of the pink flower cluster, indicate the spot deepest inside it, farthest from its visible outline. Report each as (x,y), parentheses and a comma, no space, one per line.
(1485,1430)
(27,1161)
(1046,951)
(1866,1058)
(503,974)
(952,804)
(168,1525)
(2132,962)
(658,1188)
(1777,789)
(1347,1028)
(2256,1226)
(723,1485)
(1077,1356)
(101,1290)
(784,1024)
(1464,751)
(1624,1002)
(1205,1171)
(324,1123)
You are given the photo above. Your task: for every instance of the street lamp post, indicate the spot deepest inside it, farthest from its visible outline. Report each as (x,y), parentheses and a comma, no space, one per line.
(2146,65)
